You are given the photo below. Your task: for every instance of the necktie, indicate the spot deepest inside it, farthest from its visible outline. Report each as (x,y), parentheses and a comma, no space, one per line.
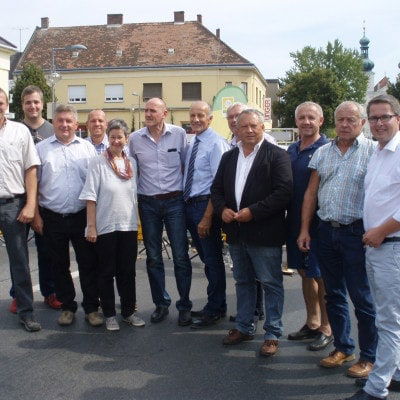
(190,172)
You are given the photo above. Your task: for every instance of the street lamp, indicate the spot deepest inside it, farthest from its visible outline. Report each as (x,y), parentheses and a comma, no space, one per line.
(54,76)
(138,96)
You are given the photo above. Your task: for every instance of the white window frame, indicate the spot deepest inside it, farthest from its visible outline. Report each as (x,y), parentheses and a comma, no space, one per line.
(77,94)
(114,93)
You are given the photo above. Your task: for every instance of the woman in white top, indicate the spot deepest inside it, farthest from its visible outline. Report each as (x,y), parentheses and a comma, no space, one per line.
(112,222)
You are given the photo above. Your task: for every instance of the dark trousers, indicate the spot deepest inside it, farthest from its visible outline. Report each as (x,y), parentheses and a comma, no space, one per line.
(59,230)
(341,255)
(117,253)
(46,279)
(210,253)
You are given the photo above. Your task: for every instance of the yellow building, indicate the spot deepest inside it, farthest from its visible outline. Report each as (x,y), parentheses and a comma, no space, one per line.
(126,64)
(7,49)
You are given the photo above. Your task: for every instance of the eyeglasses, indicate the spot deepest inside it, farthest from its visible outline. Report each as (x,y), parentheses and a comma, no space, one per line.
(383,118)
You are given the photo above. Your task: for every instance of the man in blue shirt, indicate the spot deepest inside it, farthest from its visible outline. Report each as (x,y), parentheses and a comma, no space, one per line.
(309,119)
(201,164)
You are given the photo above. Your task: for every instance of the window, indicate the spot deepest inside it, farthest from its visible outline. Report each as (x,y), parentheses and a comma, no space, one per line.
(77,94)
(243,86)
(151,90)
(228,83)
(191,90)
(114,93)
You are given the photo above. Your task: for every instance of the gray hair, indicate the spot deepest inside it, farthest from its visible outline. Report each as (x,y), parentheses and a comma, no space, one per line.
(237,104)
(64,108)
(117,124)
(385,99)
(360,108)
(252,111)
(309,104)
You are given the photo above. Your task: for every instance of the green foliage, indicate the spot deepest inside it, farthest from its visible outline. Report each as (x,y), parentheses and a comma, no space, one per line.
(326,76)
(394,88)
(30,75)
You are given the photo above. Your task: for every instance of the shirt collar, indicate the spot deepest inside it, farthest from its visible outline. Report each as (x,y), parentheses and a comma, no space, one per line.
(358,140)
(256,147)
(204,135)
(393,144)
(145,131)
(54,139)
(104,141)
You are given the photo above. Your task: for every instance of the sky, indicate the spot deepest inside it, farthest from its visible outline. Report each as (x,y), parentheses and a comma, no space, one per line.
(263,31)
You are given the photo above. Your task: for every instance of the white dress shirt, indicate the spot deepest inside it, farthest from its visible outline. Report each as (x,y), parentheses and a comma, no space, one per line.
(244,164)
(63,173)
(382,186)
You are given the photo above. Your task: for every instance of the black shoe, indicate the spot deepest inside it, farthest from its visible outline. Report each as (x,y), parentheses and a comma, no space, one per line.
(304,333)
(361,395)
(232,318)
(184,318)
(201,313)
(204,321)
(30,324)
(320,342)
(394,386)
(159,314)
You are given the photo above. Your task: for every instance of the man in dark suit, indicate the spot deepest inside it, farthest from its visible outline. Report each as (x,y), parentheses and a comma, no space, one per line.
(251,189)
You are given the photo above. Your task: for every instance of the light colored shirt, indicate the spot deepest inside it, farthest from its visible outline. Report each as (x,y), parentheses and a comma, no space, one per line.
(116,204)
(382,186)
(159,163)
(102,146)
(209,153)
(341,188)
(63,173)
(243,166)
(267,137)
(17,154)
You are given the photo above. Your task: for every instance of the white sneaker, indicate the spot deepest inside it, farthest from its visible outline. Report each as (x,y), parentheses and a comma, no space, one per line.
(134,320)
(112,324)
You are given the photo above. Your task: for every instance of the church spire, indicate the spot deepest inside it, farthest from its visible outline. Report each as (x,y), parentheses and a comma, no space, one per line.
(368,65)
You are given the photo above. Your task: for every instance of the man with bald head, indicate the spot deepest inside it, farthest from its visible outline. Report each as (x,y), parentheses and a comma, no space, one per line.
(159,149)
(337,185)
(201,164)
(96,125)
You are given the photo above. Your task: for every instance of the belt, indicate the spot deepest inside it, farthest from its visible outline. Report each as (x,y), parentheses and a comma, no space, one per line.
(11,199)
(163,196)
(336,224)
(196,199)
(66,215)
(391,239)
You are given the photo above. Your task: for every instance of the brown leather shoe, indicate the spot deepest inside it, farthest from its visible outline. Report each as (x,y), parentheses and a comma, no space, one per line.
(335,359)
(360,369)
(234,336)
(269,348)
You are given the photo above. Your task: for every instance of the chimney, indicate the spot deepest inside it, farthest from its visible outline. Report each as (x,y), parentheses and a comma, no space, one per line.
(114,19)
(44,22)
(179,17)
(199,18)
(217,33)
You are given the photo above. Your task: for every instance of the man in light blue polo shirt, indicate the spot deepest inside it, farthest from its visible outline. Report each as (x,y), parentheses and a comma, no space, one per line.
(201,165)
(159,149)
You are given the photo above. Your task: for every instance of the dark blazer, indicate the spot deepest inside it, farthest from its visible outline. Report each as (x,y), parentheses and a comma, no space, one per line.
(266,193)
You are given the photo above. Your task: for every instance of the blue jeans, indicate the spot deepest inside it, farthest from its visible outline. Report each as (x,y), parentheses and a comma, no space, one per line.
(210,253)
(154,214)
(264,264)
(341,255)
(46,278)
(15,238)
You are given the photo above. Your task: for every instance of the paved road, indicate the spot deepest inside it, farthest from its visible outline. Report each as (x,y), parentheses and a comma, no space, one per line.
(161,361)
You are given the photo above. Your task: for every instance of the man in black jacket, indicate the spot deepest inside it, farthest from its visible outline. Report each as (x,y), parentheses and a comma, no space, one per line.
(252,187)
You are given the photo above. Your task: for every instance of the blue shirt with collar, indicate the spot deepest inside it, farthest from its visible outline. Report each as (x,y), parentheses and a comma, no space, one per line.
(209,153)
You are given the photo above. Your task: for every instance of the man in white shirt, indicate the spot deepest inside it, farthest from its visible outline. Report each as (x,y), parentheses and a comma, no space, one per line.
(18,183)
(62,216)
(382,240)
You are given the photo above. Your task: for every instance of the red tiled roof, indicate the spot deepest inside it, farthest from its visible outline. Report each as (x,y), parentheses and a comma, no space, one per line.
(143,45)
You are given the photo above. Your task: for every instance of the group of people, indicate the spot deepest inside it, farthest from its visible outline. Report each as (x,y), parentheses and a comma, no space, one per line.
(334,203)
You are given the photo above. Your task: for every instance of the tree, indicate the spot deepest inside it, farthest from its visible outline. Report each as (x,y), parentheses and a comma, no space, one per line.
(394,88)
(30,75)
(326,76)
